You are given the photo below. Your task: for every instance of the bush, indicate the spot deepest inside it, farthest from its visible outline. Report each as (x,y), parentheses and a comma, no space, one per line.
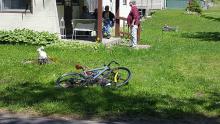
(194,6)
(26,36)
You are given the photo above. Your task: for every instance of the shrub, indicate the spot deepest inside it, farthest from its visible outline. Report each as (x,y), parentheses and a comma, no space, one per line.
(194,6)
(26,36)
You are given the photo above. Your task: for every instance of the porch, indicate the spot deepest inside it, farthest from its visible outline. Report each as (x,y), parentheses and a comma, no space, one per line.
(72,9)
(108,42)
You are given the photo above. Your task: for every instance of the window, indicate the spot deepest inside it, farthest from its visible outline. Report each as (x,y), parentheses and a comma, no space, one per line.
(124,2)
(15,5)
(92,5)
(68,2)
(75,2)
(60,2)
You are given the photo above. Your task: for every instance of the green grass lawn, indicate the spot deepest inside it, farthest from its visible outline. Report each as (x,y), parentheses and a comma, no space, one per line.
(178,77)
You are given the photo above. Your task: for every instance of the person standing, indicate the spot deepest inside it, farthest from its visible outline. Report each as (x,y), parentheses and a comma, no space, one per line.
(108,18)
(133,21)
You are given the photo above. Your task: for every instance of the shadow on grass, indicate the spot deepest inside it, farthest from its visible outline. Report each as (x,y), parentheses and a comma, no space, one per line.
(108,104)
(204,36)
(211,18)
(215,103)
(22,120)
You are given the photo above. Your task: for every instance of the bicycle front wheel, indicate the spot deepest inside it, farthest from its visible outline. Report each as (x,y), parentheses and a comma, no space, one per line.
(120,76)
(71,80)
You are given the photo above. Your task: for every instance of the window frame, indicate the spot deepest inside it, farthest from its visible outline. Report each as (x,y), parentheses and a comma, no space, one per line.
(124,2)
(60,2)
(75,3)
(28,10)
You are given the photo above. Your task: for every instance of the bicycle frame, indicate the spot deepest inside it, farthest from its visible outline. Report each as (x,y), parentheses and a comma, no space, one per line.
(104,76)
(99,70)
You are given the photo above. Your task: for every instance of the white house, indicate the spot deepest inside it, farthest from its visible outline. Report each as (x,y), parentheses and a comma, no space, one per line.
(45,15)
(143,5)
(151,4)
(40,15)
(146,5)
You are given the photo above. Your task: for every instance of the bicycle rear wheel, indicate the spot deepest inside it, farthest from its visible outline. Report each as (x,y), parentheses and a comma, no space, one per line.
(120,76)
(71,80)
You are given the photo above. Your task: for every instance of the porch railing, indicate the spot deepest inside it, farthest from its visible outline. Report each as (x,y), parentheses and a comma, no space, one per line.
(125,30)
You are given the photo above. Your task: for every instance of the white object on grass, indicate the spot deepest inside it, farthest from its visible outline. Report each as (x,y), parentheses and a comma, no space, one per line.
(42,58)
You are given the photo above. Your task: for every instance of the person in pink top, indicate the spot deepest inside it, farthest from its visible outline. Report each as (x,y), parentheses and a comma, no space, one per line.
(133,21)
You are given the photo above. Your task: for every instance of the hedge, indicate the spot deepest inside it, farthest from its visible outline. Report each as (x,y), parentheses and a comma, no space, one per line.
(27,36)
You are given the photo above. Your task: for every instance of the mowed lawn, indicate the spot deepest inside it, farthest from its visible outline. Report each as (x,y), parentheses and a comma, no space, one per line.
(178,77)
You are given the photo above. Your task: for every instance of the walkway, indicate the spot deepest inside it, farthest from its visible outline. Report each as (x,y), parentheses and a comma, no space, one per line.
(110,42)
(13,118)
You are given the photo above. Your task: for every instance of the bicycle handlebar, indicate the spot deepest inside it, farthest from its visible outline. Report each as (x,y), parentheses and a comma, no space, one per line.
(113,62)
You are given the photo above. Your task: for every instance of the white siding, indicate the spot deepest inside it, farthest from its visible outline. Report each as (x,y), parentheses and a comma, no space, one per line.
(124,9)
(151,4)
(43,18)
(143,4)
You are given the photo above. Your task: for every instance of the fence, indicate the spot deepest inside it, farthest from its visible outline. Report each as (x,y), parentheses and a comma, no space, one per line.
(125,30)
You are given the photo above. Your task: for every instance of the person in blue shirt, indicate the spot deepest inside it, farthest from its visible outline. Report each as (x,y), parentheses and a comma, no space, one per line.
(108,22)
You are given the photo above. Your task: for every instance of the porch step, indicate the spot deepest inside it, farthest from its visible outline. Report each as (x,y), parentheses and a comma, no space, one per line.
(78,41)
(119,41)
(111,41)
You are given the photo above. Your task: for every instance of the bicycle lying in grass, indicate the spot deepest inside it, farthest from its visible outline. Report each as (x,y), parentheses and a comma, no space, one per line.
(104,76)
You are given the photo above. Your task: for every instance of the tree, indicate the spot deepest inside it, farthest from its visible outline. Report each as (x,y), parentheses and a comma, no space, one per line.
(194,6)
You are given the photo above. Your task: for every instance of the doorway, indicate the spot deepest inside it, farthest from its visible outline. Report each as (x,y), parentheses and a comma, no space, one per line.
(68,17)
(68,10)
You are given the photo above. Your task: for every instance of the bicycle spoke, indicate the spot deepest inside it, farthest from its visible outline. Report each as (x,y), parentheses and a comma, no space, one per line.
(70,80)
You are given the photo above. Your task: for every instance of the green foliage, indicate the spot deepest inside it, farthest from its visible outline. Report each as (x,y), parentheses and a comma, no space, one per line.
(194,6)
(26,36)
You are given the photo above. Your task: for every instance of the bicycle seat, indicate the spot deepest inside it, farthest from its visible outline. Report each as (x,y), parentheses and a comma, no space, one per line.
(78,67)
